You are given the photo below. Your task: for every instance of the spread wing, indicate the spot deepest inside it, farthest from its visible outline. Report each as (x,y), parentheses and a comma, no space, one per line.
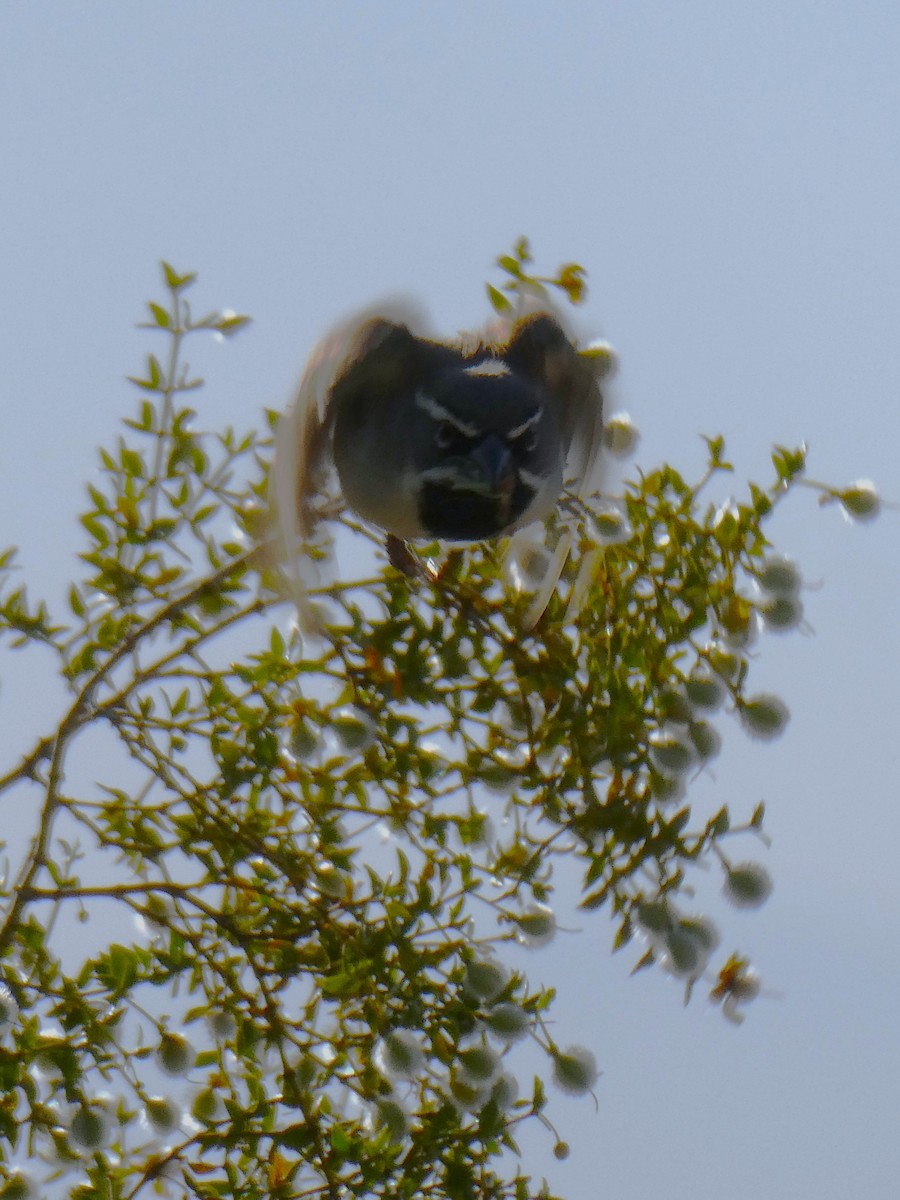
(540,347)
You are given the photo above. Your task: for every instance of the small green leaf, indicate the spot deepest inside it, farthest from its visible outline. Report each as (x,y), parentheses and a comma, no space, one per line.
(232,324)
(175,281)
(160,315)
(155,371)
(510,265)
(499,302)
(75,602)
(788,463)
(132,463)
(720,823)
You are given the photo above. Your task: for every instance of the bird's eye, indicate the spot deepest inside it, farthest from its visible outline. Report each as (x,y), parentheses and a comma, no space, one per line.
(526,442)
(446,435)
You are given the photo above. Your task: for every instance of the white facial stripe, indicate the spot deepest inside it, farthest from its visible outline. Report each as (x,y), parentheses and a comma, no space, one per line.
(535,482)
(457,481)
(439,413)
(466,483)
(490,366)
(525,426)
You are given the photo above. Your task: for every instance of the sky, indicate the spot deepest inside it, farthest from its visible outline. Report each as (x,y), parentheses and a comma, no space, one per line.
(729,175)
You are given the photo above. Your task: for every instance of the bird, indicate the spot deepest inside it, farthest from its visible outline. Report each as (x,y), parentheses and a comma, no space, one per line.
(459,441)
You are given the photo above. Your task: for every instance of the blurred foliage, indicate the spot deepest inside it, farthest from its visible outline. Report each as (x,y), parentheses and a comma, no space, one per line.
(320,848)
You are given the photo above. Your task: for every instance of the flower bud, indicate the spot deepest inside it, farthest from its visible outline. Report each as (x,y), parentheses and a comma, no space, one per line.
(574,1070)
(221,1025)
(537,926)
(747,885)
(332,883)
(764,716)
(705,739)
(467,1095)
(684,956)
(90,1128)
(174,1054)
(653,916)
(611,525)
(528,564)
(603,358)
(702,930)
(391,1116)
(674,707)
(163,1114)
(670,753)
(479,1065)
(704,689)
(687,946)
(505,1092)
(401,1054)
(727,524)
(666,789)
(738,621)
(508,1022)
(860,500)
(354,728)
(723,660)
(620,435)
(780,575)
(304,740)
(207,1106)
(18,1186)
(485,979)
(780,614)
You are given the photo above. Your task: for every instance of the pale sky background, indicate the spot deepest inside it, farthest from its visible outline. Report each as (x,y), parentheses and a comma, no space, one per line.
(730,176)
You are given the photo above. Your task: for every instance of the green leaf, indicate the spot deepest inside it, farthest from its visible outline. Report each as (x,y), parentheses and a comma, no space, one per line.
(232,325)
(595,899)
(522,250)
(175,281)
(788,463)
(132,463)
(510,265)
(340,1142)
(160,315)
(342,984)
(117,970)
(499,302)
(720,823)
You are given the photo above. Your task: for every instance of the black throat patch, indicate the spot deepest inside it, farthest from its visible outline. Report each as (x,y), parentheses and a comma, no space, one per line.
(455,515)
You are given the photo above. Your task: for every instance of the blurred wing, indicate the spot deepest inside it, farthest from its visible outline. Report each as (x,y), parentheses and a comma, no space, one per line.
(584,419)
(302,457)
(541,347)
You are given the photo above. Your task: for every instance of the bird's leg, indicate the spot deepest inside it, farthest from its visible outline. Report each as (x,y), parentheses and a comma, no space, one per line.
(401,556)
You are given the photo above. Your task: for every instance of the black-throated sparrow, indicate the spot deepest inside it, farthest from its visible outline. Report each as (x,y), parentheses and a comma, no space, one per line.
(436,440)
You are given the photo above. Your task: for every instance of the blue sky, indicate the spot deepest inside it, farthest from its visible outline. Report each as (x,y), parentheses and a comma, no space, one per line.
(730,176)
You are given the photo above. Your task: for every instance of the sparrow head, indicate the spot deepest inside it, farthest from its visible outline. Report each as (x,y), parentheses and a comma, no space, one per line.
(485,442)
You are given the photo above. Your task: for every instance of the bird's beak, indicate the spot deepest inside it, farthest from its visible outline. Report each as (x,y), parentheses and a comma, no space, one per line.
(495,462)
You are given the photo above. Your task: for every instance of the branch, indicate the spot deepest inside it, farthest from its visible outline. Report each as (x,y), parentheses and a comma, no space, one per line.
(79,713)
